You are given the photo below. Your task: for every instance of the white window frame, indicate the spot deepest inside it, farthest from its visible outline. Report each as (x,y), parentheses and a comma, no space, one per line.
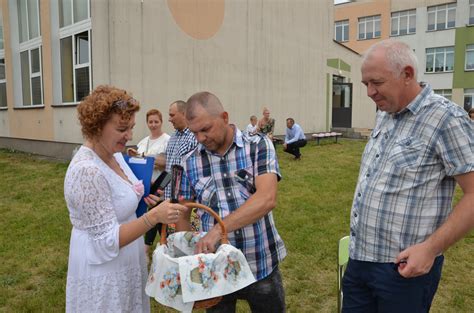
(2,56)
(28,46)
(447,93)
(344,24)
(367,21)
(471,12)
(72,31)
(441,11)
(469,51)
(397,18)
(433,52)
(469,93)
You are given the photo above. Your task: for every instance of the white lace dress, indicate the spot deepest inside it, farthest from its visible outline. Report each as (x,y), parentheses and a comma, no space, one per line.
(101,277)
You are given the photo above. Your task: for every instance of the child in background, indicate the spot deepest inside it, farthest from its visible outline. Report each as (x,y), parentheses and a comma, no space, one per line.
(251,130)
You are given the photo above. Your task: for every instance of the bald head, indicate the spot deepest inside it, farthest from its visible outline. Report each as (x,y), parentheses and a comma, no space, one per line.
(205,100)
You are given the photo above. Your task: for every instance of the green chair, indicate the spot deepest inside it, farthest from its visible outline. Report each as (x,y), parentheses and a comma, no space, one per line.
(342,259)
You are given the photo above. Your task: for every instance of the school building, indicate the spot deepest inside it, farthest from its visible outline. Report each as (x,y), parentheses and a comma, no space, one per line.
(441,32)
(251,54)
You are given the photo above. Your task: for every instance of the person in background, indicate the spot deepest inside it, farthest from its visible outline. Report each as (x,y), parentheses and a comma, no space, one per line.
(182,140)
(294,138)
(251,130)
(266,125)
(238,180)
(402,218)
(471,113)
(155,146)
(107,269)
(156,143)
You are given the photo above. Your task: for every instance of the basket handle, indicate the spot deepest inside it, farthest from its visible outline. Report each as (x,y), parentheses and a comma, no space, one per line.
(192,205)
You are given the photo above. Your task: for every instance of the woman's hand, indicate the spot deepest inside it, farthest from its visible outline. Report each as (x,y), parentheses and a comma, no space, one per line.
(132,152)
(167,212)
(151,200)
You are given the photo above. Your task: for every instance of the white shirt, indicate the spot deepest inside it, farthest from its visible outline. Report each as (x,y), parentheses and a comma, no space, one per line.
(153,147)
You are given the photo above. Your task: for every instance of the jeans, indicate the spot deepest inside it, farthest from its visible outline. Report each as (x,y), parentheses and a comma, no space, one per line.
(378,288)
(264,296)
(294,147)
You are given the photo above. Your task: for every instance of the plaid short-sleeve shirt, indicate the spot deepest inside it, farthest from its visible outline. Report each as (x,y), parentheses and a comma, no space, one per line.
(224,183)
(406,184)
(180,143)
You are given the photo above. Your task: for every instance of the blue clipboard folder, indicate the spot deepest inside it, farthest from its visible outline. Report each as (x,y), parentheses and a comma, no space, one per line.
(143,169)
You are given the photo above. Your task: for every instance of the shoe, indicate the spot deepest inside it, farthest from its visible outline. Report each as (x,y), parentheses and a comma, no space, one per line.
(297,158)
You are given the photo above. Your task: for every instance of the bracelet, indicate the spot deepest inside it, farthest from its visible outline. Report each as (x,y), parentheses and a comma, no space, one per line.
(147,221)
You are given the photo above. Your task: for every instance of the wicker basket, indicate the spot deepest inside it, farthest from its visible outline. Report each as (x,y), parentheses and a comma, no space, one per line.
(202,304)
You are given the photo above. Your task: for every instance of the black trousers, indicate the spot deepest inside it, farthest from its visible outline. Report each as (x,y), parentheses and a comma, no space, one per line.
(294,147)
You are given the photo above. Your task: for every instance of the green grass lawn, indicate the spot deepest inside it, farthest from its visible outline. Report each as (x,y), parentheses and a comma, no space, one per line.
(314,201)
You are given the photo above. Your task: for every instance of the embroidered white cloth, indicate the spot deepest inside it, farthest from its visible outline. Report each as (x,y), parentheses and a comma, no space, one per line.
(178,277)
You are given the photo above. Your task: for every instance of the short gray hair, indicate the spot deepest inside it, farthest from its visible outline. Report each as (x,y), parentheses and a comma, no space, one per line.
(180,105)
(397,53)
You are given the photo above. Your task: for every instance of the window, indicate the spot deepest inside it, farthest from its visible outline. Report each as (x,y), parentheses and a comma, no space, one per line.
(341,30)
(31,79)
(439,59)
(403,23)
(369,27)
(447,93)
(74,49)
(442,16)
(471,12)
(469,66)
(72,12)
(30,52)
(3,82)
(468,98)
(3,85)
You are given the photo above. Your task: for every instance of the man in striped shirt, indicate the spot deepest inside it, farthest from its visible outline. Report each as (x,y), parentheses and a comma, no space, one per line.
(402,218)
(238,180)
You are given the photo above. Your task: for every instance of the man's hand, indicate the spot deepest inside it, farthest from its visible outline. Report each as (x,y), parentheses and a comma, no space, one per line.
(284,146)
(415,261)
(208,243)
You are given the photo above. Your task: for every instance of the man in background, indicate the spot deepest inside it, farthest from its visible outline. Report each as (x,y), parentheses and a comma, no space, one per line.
(294,138)
(182,140)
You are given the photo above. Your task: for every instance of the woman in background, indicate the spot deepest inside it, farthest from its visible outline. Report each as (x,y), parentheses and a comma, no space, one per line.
(107,269)
(155,144)
(267,124)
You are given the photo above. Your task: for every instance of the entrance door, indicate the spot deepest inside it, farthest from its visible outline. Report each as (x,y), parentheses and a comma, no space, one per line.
(341,104)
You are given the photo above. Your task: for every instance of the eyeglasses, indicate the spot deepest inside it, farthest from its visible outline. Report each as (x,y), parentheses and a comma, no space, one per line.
(123,104)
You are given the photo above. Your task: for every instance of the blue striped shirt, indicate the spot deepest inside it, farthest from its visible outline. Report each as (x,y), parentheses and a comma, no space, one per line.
(406,184)
(211,180)
(180,143)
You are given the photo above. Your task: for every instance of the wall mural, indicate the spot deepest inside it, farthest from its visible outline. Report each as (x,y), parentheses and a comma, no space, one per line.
(200,19)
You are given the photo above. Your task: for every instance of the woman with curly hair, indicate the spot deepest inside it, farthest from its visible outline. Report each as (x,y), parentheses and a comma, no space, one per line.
(107,265)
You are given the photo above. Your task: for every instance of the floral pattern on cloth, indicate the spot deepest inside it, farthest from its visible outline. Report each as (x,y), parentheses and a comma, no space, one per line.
(164,281)
(201,276)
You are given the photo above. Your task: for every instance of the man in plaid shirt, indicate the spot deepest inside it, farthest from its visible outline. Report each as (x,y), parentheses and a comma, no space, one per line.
(238,180)
(402,218)
(181,142)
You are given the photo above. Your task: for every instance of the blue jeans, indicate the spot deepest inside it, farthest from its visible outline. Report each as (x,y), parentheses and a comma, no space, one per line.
(378,288)
(264,296)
